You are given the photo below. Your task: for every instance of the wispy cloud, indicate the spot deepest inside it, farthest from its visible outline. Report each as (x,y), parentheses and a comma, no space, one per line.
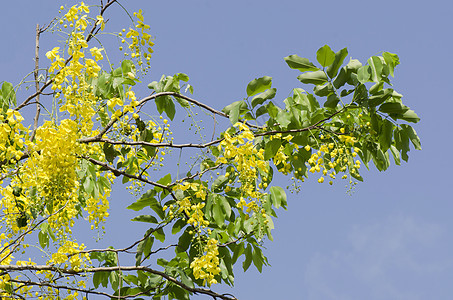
(397,258)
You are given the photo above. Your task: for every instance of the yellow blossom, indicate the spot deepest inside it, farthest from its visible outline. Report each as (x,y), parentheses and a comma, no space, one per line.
(100,21)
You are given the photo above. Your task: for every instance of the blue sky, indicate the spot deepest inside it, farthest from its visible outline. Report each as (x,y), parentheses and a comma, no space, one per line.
(390,239)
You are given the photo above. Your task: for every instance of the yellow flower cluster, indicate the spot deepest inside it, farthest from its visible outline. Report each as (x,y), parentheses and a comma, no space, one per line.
(5,253)
(192,210)
(6,284)
(53,166)
(49,172)
(13,136)
(97,208)
(280,158)
(139,38)
(206,267)
(70,250)
(333,157)
(249,206)
(246,160)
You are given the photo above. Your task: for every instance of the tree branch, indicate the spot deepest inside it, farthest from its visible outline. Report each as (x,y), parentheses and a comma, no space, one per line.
(66,287)
(119,172)
(111,269)
(143,143)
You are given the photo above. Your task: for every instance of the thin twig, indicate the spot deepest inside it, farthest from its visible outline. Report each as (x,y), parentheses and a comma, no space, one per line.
(36,75)
(314,126)
(24,234)
(50,81)
(123,249)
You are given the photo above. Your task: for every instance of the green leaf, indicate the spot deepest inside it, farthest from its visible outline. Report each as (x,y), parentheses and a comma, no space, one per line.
(278,196)
(376,66)
(170,109)
(141,203)
(148,245)
(342,78)
(225,258)
(380,97)
(396,155)
(178,226)
(316,77)
(409,116)
(225,205)
(401,142)
(260,98)
(165,180)
(184,241)
(300,63)
(364,74)
(293,113)
(325,56)
(219,182)
(110,152)
(182,76)
(217,212)
(166,104)
(261,111)
(176,292)
(114,280)
(248,258)
(8,93)
(145,218)
(412,136)
(257,258)
(127,66)
(237,252)
(392,60)
(353,65)
(271,148)
(139,254)
(332,101)
(360,93)
(147,199)
(259,85)
(234,110)
(272,110)
(376,87)
(100,278)
(43,238)
(357,176)
(117,82)
(185,279)
(7,287)
(385,136)
(234,114)
(283,118)
(324,90)
(393,108)
(182,102)
(88,184)
(332,70)
(159,234)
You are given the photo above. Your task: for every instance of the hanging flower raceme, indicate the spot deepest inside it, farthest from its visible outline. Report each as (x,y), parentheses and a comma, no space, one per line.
(207,267)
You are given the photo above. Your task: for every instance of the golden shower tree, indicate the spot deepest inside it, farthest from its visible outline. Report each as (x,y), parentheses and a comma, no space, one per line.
(90,130)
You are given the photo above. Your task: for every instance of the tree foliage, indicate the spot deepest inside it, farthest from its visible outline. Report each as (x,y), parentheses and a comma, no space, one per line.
(91,130)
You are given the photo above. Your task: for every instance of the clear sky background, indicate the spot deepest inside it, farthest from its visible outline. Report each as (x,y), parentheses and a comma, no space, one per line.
(392,238)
